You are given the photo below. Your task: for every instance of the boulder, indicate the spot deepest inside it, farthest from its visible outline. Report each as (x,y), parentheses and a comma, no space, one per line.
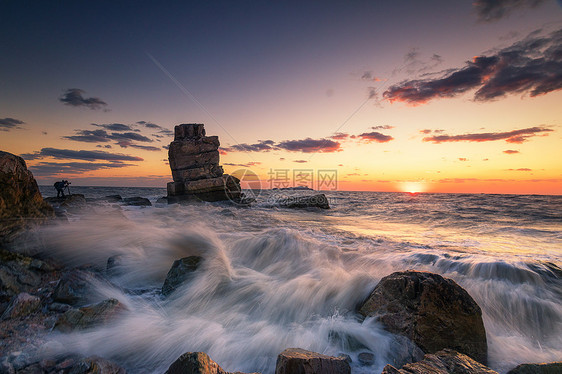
(194,161)
(18,273)
(543,368)
(137,201)
(73,287)
(432,311)
(95,365)
(21,204)
(196,363)
(89,316)
(300,361)
(21,306)
(446,361)
(313,201)
(180,272)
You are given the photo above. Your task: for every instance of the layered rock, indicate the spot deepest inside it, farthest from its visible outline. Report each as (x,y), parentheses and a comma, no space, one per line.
(300,361)
(196,363)
(544,368)
(432,311)
(194,160)
(21,204)
(446,361)
(90,316)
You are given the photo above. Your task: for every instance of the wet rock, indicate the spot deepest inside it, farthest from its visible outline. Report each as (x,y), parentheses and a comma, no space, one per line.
(446,361)
(314,201)
(21,306)
(95,365)
(194,161)
(180,272)
(59,307)
(21,204)
(162,200)
(89,316)
(73,287)
(195,363)
(404,351)
(113,198)
(300,361)
(543,368)
(366,358)
(432,311)
(137,201)
(18,273)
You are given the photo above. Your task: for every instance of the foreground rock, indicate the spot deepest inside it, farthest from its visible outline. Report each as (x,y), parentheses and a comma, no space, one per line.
(432,311)
(21,204)
(21,306)
(300,361)
(446,361)
(180,272)
(196,363)
(314,201)
(90,316)
(194,160)
(74,287)
(96,365)
(550,368)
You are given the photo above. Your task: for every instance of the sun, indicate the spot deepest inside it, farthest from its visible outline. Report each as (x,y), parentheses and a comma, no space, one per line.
(413,187)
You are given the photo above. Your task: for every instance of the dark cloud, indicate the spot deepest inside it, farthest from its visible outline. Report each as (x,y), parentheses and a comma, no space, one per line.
(429,131)
(510,151)
(532,65)
(7,124)
(115,126)
(382,127)
(375,136)
(73,97)
(247,165)
(145,147)
(79,155)
(300,161)
(339,136)
(222,152)
(310,145)
(53,168)
(103,146)
(521,169)
(89,136)
(150,125)
(130,136)
(261,146)
(463,159)
(493,10)
(515,136)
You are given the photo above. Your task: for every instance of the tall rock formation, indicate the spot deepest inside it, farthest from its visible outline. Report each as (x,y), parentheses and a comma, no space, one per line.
(194,160)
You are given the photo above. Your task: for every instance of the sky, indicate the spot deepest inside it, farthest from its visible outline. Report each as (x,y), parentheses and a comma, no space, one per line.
(412,96)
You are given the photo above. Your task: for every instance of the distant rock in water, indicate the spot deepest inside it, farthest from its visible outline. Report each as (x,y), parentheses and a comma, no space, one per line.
(21,204)
(549,368)
(300,361)
(314,201)
(446,361)
(194,160)
(137,201)
(180,272)
(432,311)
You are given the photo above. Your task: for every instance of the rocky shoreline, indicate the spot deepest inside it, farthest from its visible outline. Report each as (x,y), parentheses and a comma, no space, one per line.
(437,324)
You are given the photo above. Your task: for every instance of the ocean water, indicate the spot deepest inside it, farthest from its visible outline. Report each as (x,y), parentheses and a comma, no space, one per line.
(276,278)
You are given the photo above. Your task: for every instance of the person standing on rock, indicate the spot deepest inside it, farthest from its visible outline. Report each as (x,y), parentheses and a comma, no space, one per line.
(60,186)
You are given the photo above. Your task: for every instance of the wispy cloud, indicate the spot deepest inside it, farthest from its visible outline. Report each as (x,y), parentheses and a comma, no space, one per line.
(510,151)
(382,127)
(73,97)
(375,136)
(44,169)
(493,10)
(8,123)
(310,145)
(531,66)
(114,126)
(260,146)
(515,136)
(79,155)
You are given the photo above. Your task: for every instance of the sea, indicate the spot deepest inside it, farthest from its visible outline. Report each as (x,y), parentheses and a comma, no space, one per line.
(275,278)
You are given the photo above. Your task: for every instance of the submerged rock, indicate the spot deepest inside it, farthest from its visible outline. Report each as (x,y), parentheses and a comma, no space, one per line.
(73,287)
(21,306)
(543,368)
(95,365)
(446,361)
(194,161)
(313,201)
(137,201)
(21,204)
(89,316)
(300,361)
(432,311)
(180,272)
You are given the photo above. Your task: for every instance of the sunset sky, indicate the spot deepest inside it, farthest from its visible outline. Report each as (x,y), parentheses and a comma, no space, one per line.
(434,96)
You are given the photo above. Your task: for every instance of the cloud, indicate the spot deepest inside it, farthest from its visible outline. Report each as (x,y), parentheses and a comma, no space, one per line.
(73,97)
(375,136)
(531,66)
(53,168)
(463,159)
(310,145)
(7,124)
(382,127)
(247,165)
(222,152)
(261,146)
(521,169)
(80,155)
(114,126)
(300,161)
(101,136)
(515,136)
(150,125)
(429,131)
(339,136)
(510,151)
(493,10)
(145,147)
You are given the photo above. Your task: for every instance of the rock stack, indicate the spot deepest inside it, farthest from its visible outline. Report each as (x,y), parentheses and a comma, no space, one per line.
(194,160)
